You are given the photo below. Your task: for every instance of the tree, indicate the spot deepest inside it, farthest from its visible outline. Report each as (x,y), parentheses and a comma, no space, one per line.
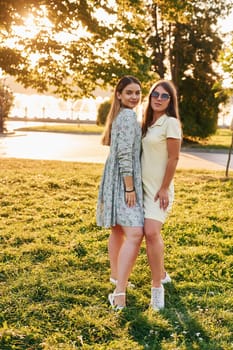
(76,46)
(185,47)
(230,150)
(6,102)
(107,39)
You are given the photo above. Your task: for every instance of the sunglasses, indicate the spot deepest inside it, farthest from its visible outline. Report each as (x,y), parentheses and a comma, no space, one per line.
(164,96)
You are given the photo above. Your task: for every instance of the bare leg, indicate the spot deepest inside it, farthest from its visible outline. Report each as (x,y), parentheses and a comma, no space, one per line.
(126,259)
(116,239)
(155,250)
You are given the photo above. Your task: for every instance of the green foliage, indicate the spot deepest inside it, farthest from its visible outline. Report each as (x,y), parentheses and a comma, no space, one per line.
(103,112)
(199,110)
(176,39)
(6,103)
(226,59)
(54,266)
(75,67)
(184,36)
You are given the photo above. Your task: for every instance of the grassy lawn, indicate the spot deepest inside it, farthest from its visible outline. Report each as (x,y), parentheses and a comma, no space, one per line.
(54,266)
(66,128)
(221,140)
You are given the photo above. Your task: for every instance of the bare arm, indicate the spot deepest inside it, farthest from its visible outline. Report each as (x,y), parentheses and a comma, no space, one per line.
(173,147)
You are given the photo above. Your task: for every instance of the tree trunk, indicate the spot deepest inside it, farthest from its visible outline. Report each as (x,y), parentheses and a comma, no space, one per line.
(229,157)
(1,120)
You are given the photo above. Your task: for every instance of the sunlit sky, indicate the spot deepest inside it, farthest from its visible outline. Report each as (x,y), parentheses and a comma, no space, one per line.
(50,106)
(227,24)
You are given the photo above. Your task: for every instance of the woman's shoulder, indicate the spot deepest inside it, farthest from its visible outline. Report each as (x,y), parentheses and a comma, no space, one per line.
(126,115)
(172,121)
(174,127)
(126,112)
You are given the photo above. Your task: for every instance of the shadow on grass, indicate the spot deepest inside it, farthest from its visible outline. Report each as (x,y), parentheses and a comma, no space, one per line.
(172,328)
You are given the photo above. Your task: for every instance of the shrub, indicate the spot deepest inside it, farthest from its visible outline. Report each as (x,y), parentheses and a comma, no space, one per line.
(6,102)
(103,112)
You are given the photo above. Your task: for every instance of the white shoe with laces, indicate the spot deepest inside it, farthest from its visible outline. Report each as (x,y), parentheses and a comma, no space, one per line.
(166,279)
(157,298)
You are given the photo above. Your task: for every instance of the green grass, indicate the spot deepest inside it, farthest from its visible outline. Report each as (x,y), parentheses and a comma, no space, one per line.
(54,267)
(220,140)
(66,128)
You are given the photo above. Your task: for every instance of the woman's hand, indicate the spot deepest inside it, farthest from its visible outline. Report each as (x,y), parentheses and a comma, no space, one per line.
(162,196)
(130,198)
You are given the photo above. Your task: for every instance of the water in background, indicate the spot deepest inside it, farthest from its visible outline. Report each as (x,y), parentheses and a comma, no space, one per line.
(42,106)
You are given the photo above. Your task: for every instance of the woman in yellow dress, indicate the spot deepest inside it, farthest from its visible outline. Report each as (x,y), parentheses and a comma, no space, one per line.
(161,141)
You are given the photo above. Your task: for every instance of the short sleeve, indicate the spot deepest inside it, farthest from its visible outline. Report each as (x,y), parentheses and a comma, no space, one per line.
(126,129)
(173,128)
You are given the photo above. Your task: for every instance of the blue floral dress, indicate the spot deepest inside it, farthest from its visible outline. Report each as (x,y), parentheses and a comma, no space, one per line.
(123,160)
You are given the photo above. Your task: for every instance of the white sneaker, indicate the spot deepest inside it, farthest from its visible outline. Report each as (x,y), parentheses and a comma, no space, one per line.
(129,285)
(157,298)
(166,279)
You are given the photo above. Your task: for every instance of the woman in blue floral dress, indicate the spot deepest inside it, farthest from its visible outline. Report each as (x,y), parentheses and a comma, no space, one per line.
(120,204)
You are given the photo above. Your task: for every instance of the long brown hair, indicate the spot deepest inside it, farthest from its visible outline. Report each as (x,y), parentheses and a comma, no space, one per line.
(172,109)
(115,106)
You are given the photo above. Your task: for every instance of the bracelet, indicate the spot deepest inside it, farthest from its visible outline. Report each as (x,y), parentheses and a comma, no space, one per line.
(129,191)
